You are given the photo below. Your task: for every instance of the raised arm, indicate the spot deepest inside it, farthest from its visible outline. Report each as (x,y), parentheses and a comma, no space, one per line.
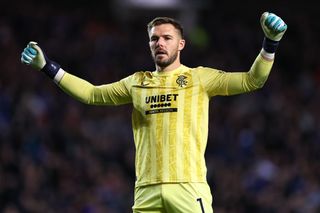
(231,83)
(108,94)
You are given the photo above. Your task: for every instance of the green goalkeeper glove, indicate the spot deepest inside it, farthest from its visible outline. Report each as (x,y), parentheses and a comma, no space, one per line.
(273,26)
(33,55)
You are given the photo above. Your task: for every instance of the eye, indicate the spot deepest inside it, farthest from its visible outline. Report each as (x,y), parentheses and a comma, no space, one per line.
(154,38)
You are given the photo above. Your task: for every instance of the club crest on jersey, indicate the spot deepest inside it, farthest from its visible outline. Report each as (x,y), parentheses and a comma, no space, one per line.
(181,80)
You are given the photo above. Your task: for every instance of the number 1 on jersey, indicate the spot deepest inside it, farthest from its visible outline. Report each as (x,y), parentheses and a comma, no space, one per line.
(201,204)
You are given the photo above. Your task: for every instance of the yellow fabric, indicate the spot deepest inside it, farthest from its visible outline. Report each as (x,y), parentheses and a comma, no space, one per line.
(170,114)
(173,197)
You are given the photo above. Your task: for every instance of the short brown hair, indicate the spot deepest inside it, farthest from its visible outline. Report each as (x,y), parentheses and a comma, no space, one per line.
(165,20)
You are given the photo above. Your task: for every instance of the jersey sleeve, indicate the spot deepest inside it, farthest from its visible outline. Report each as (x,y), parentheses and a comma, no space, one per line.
(107,94)
(217,82)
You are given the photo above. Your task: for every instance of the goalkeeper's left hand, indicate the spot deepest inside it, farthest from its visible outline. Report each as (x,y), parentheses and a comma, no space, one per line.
(273,26)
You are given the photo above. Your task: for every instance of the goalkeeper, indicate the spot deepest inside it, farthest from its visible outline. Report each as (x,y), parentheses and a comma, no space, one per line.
(170,112)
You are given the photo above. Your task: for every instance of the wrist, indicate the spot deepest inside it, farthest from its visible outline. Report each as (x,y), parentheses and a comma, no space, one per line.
(51,68)
(269,45)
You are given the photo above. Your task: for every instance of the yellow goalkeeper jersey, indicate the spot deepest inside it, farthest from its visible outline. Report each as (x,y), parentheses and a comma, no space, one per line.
(170,114)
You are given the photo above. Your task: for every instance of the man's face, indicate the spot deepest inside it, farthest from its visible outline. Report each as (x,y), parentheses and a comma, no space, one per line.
(165,44)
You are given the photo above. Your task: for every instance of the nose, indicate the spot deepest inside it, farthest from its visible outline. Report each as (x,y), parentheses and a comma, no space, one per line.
(160,42)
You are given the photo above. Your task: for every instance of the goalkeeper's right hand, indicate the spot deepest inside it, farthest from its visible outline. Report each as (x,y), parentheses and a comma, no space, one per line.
(34,56)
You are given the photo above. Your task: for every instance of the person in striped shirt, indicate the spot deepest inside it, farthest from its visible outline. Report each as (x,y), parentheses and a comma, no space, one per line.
(170,112)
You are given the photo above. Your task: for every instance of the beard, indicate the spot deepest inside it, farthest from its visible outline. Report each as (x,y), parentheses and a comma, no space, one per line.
(164,63)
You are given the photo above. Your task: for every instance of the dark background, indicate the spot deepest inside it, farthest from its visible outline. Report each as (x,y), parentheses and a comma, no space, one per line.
(59,155)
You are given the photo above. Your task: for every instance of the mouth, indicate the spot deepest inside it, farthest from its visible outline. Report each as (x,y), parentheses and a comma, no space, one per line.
(160,52)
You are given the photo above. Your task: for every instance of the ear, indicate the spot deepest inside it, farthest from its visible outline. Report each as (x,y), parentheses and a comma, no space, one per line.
(182,43)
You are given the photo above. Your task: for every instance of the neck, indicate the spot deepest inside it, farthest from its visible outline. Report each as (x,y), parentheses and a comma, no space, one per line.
(169,68)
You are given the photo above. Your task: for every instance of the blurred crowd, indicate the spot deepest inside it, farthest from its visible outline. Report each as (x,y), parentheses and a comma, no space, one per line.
(59,155)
